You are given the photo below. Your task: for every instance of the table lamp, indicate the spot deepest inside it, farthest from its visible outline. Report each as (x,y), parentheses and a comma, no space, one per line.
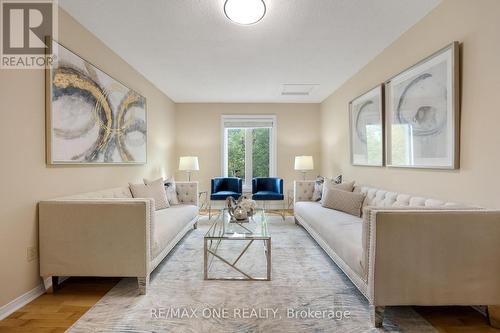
(304,164)
(189,164)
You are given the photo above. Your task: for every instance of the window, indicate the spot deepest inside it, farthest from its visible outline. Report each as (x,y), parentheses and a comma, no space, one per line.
(248,147)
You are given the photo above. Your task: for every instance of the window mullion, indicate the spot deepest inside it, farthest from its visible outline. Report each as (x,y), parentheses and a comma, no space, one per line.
(248,157)
(225,155)
(271,160)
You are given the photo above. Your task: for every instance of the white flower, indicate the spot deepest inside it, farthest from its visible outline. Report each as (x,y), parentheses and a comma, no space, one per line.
(248,204)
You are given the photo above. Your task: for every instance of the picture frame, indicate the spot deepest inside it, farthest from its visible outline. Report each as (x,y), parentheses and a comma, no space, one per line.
(366,128)
(423,113)
(91,118)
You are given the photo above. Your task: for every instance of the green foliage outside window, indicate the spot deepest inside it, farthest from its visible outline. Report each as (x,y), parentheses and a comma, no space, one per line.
(260,152)
(236,152)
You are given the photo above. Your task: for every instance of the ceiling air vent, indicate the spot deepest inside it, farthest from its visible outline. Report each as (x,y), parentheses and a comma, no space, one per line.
(297,89)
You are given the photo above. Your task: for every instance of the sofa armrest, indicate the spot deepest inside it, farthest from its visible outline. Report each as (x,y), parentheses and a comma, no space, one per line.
(95,237)
(303,190)
(367,220)
(187,192)
(434,257)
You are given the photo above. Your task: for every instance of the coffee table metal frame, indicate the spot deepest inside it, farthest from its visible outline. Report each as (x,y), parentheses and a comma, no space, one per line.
(217,234)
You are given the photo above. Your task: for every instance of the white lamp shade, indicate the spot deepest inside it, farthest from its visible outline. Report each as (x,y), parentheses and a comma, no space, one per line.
(189,163)
(304,163)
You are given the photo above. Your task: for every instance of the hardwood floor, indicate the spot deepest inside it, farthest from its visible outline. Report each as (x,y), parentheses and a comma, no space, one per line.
(54,313)
(456,319)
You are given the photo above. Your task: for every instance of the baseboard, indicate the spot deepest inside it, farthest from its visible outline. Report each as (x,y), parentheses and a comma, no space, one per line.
(25,298)
(21,301)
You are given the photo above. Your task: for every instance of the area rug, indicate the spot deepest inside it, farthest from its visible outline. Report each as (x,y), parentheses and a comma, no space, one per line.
(308,293)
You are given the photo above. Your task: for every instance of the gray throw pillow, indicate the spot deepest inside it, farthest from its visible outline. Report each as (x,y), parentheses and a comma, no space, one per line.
(330,183)
(347,202)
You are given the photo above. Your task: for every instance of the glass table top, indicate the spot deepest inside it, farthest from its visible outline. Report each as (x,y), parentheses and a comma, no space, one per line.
(254,228)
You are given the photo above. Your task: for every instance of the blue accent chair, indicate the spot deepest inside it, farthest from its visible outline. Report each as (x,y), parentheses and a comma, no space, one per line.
(268,189)
(223,187)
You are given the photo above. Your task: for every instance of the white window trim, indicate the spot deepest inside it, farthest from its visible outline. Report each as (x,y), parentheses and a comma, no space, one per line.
(248,156)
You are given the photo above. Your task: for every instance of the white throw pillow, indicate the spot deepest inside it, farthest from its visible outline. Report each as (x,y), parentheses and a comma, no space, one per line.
(154,190)
(171,190)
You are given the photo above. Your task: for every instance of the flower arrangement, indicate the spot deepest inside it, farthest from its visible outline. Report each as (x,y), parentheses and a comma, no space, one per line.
(248,204)
(241,209)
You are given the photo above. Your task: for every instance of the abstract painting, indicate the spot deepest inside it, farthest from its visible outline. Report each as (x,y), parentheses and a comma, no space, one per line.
(366,128)
(91,117)
(423,113)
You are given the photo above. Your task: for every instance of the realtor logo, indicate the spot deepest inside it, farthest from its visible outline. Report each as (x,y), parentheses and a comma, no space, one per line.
(25,28)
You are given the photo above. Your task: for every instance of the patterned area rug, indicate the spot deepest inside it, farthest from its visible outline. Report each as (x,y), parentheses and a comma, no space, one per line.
(308,293)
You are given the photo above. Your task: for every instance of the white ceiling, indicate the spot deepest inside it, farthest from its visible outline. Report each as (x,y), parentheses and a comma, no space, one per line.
(193,53)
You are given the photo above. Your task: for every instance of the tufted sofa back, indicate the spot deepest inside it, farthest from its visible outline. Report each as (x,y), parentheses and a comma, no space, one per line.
(382,198)
(113,193)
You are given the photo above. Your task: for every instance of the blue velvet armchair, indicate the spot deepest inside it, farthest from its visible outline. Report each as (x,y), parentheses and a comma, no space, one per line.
(223,187)
(268,189)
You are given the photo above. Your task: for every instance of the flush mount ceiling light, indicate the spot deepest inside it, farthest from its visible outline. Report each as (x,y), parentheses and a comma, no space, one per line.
(298,89)
(245,12)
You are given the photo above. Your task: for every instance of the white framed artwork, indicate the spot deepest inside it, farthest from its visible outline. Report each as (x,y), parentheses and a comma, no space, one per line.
(367,127)
(423,113)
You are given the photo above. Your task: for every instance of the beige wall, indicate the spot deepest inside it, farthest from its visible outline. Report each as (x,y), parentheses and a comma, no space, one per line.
(476,25)
(199,133)
(25,179)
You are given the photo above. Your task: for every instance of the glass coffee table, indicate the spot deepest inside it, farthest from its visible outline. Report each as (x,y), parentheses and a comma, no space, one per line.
(253,232)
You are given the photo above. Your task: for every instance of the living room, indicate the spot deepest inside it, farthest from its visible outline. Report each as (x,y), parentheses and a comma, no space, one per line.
(337,158)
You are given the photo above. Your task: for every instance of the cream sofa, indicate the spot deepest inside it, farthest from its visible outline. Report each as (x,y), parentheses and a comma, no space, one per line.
(409,250)
(109,233)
